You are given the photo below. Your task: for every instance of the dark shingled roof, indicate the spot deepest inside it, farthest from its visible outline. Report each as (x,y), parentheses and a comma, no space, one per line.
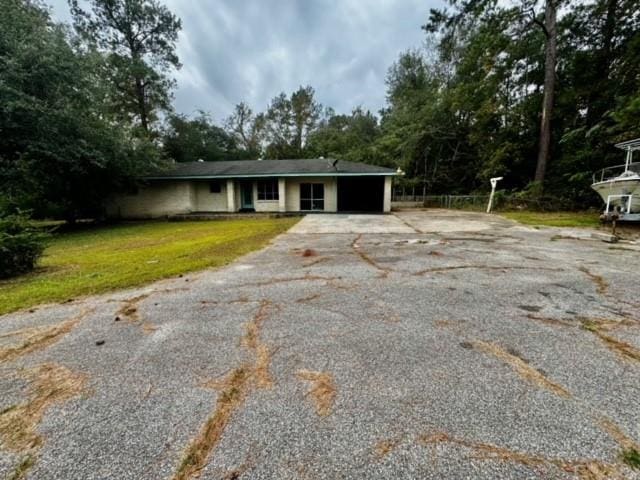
(269,168)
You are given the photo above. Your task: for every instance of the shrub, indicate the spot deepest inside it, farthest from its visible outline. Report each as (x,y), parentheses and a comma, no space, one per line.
(21,244)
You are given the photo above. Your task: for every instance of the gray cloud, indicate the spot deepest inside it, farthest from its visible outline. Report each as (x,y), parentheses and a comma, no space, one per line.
(251,50)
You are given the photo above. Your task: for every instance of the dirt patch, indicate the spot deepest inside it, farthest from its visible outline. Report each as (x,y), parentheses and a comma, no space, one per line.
(322,391)
(522,368)
(39,338)
(583,469)
(309,252)
(129,309)
(50,384)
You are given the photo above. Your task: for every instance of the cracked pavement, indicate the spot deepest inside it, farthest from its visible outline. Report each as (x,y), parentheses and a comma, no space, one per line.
(415,345)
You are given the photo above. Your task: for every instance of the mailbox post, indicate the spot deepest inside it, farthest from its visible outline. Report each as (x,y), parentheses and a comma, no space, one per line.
(494,183)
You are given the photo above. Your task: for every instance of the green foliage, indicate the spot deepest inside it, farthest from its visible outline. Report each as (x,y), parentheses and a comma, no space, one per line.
(61,153)
(348,137)
(468,108)
(190,140)
(139,38)
(20,245)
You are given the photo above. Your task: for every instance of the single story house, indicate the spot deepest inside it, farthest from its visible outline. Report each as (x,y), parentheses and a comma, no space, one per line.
(305,185)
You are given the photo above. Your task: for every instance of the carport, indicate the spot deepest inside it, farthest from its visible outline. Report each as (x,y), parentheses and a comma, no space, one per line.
(361,194)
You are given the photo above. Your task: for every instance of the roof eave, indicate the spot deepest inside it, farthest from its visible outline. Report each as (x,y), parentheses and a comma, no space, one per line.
(271,175)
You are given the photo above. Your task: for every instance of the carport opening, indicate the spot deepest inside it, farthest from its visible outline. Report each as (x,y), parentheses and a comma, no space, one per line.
(360,194)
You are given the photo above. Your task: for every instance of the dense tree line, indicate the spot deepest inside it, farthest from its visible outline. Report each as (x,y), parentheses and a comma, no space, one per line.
(533,91)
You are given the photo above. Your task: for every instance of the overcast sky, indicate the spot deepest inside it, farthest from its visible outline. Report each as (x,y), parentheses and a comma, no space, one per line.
(250,50)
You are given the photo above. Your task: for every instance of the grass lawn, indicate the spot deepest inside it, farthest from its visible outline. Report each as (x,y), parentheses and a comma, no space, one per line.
(112,257)
(555,219)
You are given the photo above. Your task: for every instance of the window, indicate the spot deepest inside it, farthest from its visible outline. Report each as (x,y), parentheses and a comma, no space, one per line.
(312,196)
(268,189)
(215,186)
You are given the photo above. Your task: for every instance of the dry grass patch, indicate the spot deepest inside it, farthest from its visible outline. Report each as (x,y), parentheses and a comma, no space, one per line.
(303,278)
(385,447)
(322,391)
(601,284)
(233,391)
(50,384)
(309,298)
(20,471)
(521,367)
(503,269)
(623,349)
(383,271)
(556,322)
(583,469)
(234,388)
(39,338)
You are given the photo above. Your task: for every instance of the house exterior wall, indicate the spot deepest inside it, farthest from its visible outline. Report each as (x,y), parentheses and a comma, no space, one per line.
(172,197)
(154,200)
(292,192)
(205,201)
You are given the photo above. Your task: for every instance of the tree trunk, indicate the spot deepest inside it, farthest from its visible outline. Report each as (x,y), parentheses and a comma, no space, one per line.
(142,104)
(549,89)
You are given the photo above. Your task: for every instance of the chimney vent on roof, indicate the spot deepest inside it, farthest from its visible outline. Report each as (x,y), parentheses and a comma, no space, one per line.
(332,163)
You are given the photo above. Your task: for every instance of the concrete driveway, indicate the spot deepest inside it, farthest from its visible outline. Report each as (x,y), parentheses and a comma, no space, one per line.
(417,345)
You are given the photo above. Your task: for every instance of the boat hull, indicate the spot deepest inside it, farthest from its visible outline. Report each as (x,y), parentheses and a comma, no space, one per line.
(615,186)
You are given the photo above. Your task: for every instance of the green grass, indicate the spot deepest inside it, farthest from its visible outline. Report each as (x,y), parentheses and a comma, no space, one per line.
(631,457)
(113,257)
(555,219)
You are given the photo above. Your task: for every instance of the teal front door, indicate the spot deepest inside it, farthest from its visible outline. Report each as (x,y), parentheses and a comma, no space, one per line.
(246,195)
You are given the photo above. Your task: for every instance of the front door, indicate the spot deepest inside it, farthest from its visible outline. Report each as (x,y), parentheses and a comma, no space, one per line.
(246,195)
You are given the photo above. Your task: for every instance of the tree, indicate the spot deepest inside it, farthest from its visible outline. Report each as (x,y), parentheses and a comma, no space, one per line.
(190,140)
(550,60)
(248,129)
(348,137)
(140,37)
(61,154)
(289,121)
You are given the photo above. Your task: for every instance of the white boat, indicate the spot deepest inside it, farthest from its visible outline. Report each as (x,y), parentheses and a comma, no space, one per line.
(619,186)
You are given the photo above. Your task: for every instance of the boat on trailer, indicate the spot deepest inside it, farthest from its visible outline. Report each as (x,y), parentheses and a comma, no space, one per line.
(619,186)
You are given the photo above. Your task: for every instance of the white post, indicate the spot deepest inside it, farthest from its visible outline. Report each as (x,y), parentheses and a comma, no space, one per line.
(494,182)
(231,196)
(282,201)
(386,204)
